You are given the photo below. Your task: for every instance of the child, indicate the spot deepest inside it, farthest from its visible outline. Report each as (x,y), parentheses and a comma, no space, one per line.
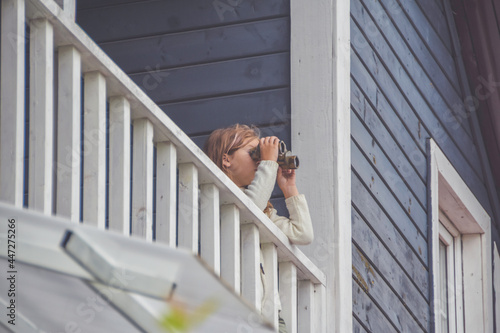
(230,149)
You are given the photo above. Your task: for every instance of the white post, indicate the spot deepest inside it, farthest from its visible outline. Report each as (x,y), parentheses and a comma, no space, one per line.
(210,226)
(12,101)
(320,115)
(319,313)
(230,246)
(188,207)
(250,265)
(68,133)
(496,284)
(288,293)
(119,165)
(474,309)
(166,193)
(41,115)
(142,179)
(270,258)
(305,307)
(94,150)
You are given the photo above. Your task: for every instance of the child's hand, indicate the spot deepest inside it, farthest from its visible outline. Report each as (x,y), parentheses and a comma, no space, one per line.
(286,182)
(269,148)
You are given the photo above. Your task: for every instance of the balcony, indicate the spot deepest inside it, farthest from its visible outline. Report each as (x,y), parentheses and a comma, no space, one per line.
(98,151)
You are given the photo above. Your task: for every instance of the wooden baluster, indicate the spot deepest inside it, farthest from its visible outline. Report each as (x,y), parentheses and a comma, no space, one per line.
(12,101)
(251,288)
(94,150)
(305,307)
(119,165)
(188,207)
(166,193)
(319,309)
(142,179)
(230,246)
(68,133)
(270,307)
(41,115)
(210,226)
(288,293)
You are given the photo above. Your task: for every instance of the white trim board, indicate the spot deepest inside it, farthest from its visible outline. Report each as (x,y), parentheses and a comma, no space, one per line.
(450,194)
(496,282)
(320,123)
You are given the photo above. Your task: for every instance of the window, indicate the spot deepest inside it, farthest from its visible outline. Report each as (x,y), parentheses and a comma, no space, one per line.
(461,252)
(450,277)
(445,262)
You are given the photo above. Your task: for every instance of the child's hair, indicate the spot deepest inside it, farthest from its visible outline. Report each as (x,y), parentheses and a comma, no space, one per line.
(227,140)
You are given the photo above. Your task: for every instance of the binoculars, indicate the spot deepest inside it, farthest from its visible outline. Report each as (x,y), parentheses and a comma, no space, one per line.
(285,158)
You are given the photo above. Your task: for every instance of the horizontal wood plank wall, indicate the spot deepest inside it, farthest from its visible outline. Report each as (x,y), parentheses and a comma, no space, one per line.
(405,88)
(205,66)
(208,64)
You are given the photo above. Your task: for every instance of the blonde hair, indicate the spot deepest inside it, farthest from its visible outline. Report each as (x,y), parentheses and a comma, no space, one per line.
(228,140)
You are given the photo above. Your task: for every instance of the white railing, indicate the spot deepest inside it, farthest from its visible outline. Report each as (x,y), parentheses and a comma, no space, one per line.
(197,206)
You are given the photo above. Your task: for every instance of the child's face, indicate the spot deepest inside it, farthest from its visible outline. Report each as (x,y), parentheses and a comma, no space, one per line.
(240,166)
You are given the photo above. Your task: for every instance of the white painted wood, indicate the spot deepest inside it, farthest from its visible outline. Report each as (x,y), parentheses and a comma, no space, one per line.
(251,284)
(210,226)
(319,312)
(68,133)
(119,165)
(41,115)
(94,149)
(448,225)
(468,204)
(288,295)
(496,284)
(120,83)
(230,246)
(447,238)
(455,210)
(434,211)
(142,179)
(487,279)
(459,285)
(270,265)
(473,290)
(320,114)
(150,264)
(473,223)
(188,225)
(305,307)
(12,101)
(69,7)
(166,193)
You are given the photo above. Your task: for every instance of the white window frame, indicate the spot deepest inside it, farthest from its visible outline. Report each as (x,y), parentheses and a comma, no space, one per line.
(496,284)
(320,124)
(465,218)
(451,237)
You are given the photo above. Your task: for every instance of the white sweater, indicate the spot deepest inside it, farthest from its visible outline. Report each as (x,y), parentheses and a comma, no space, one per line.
(298,228)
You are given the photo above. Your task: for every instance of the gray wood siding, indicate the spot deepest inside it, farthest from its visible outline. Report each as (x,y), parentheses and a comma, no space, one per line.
(406,87)
(207,64)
